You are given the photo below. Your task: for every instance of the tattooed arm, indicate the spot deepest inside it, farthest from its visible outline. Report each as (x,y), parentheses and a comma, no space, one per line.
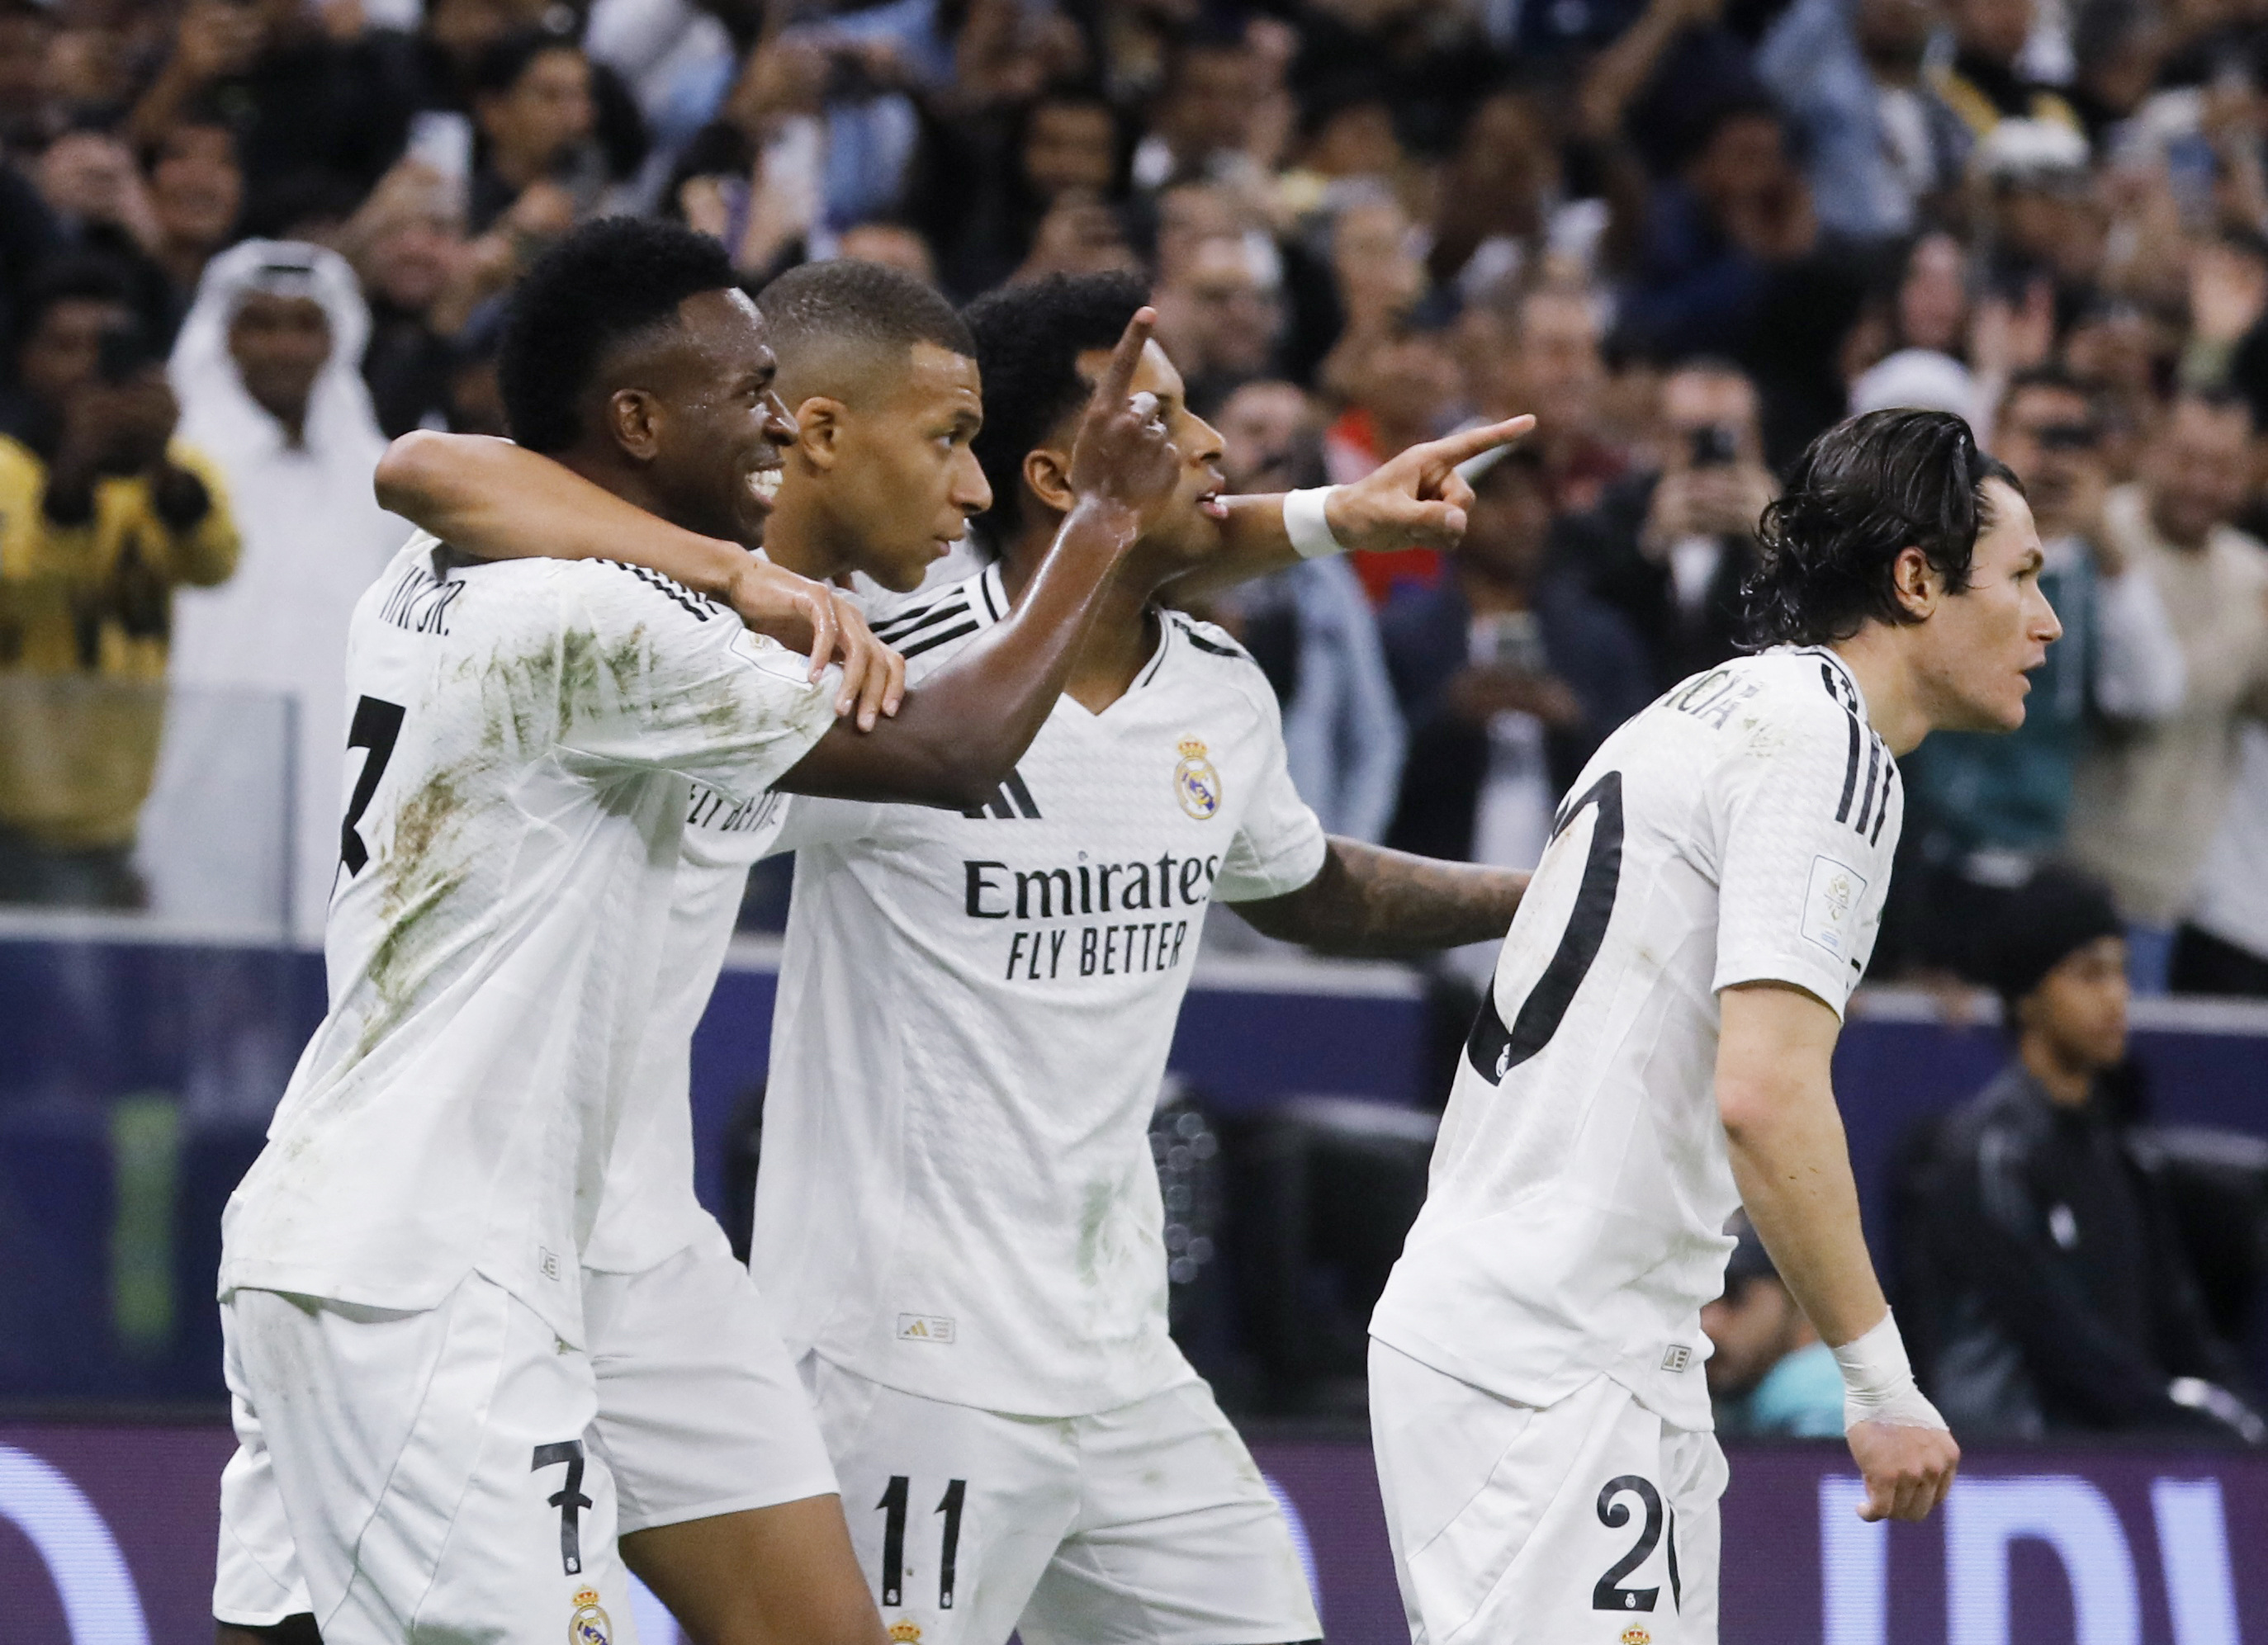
(1378,903)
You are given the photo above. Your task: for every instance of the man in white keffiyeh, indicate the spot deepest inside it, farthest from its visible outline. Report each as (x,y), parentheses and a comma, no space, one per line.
(266,369)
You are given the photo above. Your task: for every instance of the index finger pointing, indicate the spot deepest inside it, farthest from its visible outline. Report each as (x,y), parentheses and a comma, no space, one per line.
(1453,449)
(1117,378)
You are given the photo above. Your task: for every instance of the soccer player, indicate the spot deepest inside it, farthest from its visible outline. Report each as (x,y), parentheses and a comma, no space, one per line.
(1655,1051)
(957,1214)
(1220,1544)
(409,1332)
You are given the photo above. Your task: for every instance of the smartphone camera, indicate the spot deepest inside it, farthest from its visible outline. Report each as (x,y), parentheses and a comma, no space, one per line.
(1715,447)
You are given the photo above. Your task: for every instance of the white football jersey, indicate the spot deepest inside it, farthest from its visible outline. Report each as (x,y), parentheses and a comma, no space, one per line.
(649,1211)
(956,1197)
(530,733)
(1738,830)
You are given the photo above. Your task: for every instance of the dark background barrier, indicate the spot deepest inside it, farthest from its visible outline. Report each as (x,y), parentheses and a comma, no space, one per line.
(2097,1547)
(139,1075)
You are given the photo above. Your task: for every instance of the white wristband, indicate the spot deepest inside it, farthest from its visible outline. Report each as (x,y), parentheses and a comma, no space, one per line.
(1878,1381)
(1306,525)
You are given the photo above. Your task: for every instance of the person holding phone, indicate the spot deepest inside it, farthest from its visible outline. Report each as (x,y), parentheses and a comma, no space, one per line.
(1669,549)
(102,515)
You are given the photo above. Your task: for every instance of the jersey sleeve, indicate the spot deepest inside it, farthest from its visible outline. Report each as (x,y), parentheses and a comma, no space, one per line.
(653,676)
(1279,844)
(1806,820)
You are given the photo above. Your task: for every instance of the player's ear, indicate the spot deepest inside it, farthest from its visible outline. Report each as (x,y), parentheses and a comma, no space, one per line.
(820,423)
(1047,472)
(1916,583)
(633,416)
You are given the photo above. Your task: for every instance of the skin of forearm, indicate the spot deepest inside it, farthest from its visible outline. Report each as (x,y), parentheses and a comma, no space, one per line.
(501,502)
(957,737)
(1371,903)
(1791,1160)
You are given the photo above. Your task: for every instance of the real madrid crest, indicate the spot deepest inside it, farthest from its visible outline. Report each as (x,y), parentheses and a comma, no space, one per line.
(902,1633)
(1196,783)
(1636,1635)
(589,1625)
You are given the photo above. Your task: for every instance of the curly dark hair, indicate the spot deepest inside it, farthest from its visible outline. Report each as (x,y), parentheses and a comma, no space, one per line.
(1028,340)
(1861,494)
(607,281)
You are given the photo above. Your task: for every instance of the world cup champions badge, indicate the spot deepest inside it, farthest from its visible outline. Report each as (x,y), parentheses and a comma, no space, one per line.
(1196,783)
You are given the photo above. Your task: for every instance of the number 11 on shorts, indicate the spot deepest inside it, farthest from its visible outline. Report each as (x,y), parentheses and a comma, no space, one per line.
(893,1507)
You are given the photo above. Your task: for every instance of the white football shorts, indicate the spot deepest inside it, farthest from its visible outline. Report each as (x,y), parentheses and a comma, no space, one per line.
(1589,1521)
(1145,1526)
(698,1411)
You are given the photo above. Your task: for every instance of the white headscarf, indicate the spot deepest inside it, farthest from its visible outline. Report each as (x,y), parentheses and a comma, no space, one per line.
(314,539)
(217,415)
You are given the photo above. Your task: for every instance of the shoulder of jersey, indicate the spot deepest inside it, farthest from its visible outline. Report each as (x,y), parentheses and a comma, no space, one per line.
(925,622)
(1208,639)
(1810,689)
(605,577)
(1788,687)
(1211,648)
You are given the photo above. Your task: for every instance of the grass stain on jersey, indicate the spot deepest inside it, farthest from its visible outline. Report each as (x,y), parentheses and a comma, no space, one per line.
(1093,1225)
(419,881)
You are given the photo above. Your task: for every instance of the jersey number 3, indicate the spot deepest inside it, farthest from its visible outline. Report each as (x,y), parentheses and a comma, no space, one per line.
(1495,1050)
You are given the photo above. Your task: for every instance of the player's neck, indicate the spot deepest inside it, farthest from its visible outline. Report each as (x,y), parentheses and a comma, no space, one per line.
(795,538)
(1897,706)
(1123,637)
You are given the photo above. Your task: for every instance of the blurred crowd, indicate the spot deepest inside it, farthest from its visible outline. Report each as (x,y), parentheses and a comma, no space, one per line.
(242,242)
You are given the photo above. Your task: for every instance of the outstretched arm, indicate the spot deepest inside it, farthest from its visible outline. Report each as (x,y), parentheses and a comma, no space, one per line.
(1377,903)
(1416,501)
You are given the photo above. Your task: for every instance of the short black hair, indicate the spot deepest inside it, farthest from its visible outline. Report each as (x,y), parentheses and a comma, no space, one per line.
(502,62)
(605,282)
(82,277)
(1028,340)
(1860,495)
(867,305)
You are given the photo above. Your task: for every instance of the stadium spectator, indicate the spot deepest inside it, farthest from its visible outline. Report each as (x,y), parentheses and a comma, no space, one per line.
(315,128)
(1882,148)
(106,513)
(1669,547)
(2063,1301)
(2145,804)
(265,371)
(1221,320)
(419,274)
(2222,947)
(1508,678)
(532,105)
(1312,631)
(196,195)
(1983,812)
(1987,81)
(1540,351)
(1768,1372)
